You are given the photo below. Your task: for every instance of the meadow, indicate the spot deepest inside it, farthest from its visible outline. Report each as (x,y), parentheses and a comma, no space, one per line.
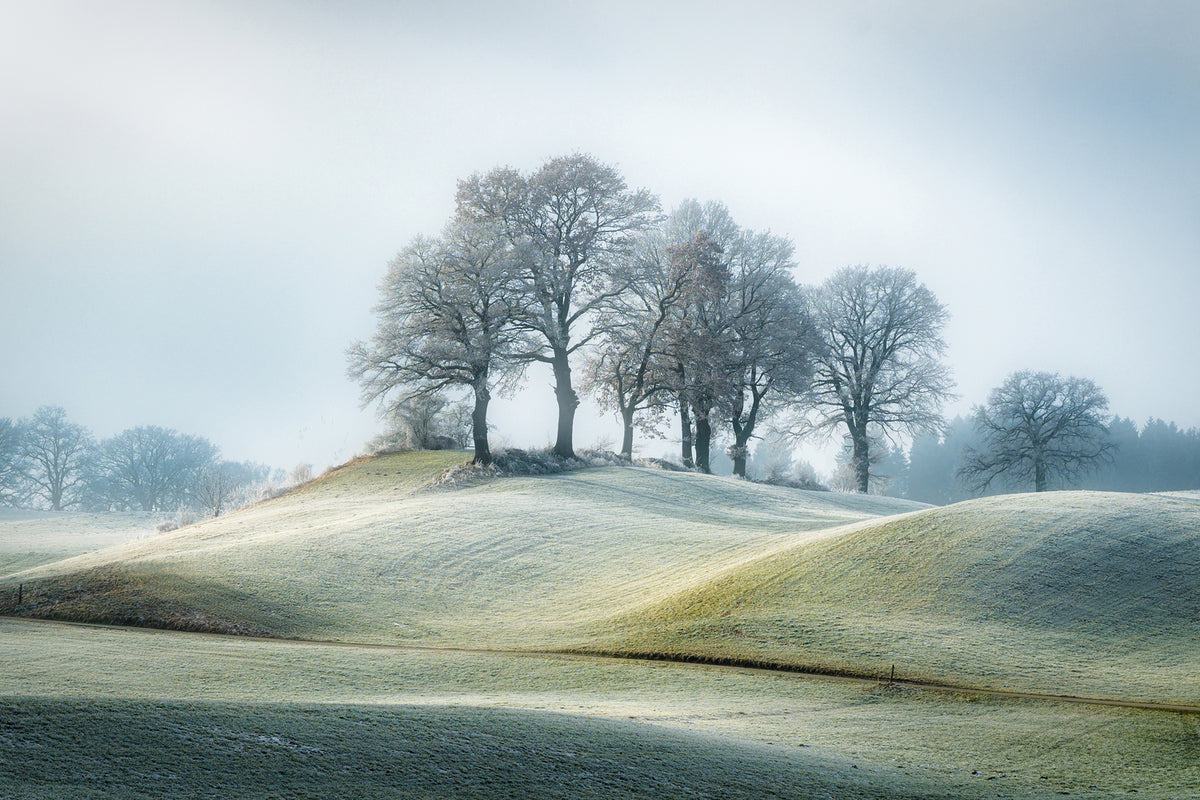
(417,640)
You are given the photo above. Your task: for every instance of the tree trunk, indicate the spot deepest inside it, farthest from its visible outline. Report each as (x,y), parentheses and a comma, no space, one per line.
(627,438)
(703,441)
(1039,475)
(479,435)
(568,401)
(743,429)
(685,431)
(862,460)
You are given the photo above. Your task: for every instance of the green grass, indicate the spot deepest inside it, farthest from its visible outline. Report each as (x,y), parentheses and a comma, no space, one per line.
(94,712)
(364,555)
(1074,593)
(1070,593)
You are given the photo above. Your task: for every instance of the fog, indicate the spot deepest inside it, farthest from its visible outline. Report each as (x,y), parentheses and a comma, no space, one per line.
(198,200)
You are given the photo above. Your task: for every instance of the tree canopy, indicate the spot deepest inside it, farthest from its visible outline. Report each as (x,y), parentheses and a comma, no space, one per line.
(1039,427)
(878,362)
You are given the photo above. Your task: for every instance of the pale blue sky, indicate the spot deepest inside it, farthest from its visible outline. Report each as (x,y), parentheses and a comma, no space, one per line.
(197,200)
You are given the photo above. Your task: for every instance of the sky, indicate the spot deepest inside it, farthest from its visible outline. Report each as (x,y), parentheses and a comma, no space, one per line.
(198,200)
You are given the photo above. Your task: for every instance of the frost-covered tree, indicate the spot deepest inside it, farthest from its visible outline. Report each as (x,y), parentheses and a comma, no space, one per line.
(446,320)
(770,338)
(10,461)
(700,346)
(878,362)
(631,368)
(699,239)
(150,468)
(1039,426)
(423,422)
(54,452)
(574,220)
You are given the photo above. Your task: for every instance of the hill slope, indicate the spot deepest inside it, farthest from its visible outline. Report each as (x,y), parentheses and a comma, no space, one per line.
(1068,592)
(1071,593)
(365,555)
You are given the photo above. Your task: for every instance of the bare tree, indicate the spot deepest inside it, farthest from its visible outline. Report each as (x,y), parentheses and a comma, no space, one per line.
(878,360)
(632,369)
(576,219)
(1038,426)
(53,453)
(151,467)
(421,422)
(742,340)
(699,345)
(11,434)
(770,338)
(228,485)
(215,488)
(445,321)
(701,240)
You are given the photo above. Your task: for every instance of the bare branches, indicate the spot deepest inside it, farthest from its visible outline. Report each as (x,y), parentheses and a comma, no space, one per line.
(1038,426)
(445,320)
(53,452)
(573,224)
(879,360)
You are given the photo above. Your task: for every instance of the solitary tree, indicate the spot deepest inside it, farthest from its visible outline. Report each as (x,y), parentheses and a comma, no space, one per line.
(53,454)
(574,219)
(228,485)
(877,365)
(445,321)
(1039,426)
(216,486)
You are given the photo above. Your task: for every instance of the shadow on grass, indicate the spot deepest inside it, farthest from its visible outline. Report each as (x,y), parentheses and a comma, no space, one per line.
(123,596)
(105,748)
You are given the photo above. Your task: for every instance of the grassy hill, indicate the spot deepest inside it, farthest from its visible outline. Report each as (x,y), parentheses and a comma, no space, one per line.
(1072,593)
(1079,593)
(371,553)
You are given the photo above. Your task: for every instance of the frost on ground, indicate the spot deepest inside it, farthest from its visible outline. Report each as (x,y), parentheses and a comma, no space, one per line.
(542,462)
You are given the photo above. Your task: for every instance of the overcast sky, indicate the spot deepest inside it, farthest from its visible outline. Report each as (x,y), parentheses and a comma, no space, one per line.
(198,200)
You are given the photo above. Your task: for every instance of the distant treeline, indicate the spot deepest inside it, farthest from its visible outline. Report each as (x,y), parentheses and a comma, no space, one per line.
(1157,457)
(50,462)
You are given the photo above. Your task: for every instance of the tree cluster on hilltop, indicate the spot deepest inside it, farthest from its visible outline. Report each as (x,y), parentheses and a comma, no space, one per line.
(48,461)
(684,315)
(689,316)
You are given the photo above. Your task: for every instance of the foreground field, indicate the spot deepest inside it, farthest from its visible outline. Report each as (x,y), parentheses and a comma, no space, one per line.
(93,712)
(1070,593)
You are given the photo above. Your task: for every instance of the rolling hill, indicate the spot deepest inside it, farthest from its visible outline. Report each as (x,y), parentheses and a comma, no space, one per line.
(1069,593)
(1076,593)
(374,553)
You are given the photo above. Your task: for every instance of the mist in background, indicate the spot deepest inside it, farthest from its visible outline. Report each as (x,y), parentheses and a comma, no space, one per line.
(198,200)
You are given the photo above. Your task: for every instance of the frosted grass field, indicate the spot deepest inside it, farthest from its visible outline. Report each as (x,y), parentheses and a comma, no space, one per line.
(166,712)
(442,598)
